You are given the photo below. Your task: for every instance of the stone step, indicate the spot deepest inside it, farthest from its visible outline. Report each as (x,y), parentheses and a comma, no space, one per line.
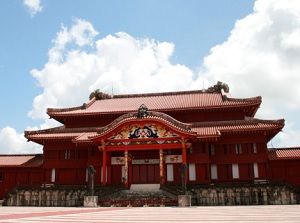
(141,192)
(145,187)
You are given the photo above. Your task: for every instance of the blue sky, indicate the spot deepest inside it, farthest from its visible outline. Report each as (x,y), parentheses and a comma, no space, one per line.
(193,26)
(51,50)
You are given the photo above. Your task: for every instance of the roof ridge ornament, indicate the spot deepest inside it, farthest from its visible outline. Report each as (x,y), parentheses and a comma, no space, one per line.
(142,111)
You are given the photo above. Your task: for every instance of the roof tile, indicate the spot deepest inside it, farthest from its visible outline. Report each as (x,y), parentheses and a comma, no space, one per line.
(156,102)
(202,129)
(284,153)
(21,160)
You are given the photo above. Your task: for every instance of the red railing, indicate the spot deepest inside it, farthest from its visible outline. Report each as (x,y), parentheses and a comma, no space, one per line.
(139,202)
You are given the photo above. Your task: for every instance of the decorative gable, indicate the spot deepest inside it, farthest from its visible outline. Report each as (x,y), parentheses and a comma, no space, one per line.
(145,131)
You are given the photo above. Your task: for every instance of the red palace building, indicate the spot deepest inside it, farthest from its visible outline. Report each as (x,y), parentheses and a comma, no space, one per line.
(145,139)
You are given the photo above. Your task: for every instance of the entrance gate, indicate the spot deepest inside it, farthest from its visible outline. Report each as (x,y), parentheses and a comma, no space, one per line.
(145,173)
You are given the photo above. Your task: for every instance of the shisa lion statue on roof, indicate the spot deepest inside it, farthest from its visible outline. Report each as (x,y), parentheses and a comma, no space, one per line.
(218,87)
(142,111)
(99,95)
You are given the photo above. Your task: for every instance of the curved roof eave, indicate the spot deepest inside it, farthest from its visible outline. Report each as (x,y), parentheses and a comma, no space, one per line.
(191,100)
(164,119)
(217,128)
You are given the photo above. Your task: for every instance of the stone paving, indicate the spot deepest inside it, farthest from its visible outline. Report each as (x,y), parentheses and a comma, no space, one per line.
(273,213)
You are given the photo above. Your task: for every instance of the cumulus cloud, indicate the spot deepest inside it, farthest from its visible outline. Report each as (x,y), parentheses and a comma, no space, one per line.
(34,6)
(79,63)
(261,57)
(120,61)
(12,142)
(81,34)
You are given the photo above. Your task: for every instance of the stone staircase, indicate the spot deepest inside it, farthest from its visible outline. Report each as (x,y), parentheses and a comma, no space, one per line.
(140,195)
(145,187)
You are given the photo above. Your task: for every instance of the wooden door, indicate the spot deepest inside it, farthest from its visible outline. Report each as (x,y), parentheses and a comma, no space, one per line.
(143,173)
(116,174)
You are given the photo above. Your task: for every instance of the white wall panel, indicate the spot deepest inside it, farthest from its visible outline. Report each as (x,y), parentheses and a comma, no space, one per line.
(170,172)
(192,171)
(213,171)
(235,171)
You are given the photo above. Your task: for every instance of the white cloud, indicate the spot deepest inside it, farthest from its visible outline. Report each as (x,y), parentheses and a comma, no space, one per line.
(78,64)
(34,6)
(289,137)
(128,64)
(12,142)
(81,34)
(261,57)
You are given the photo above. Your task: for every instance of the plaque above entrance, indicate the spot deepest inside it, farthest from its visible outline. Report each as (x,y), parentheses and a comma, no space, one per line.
(146,161)
(120,161)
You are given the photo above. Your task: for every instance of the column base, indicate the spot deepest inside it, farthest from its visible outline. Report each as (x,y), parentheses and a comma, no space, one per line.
(184,200)
(90,201)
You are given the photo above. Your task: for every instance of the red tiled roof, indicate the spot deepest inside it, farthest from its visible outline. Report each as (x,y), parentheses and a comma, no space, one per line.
(84,134)
(85,137)
(157,102)
(249,124)
(152,117)
(201,129)
(21,160)
(284,153)
(57,133)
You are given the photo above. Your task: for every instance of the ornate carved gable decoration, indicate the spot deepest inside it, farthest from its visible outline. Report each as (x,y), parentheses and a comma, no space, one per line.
(143,132)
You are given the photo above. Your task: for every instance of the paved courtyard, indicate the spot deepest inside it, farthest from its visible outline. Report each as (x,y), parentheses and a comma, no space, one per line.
(274,213)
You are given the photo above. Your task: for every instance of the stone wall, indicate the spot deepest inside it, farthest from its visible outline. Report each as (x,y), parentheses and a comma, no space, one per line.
(207,195)
(252,195)
(49,198)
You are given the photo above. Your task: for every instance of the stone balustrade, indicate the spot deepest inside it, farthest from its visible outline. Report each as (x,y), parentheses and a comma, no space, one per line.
(258,195)
(200,196)
(49,198)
